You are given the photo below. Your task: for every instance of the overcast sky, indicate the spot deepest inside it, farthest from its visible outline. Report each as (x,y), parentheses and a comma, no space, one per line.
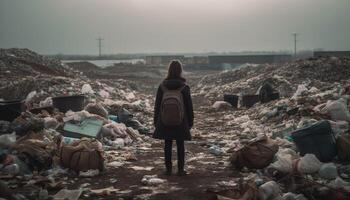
(144,26)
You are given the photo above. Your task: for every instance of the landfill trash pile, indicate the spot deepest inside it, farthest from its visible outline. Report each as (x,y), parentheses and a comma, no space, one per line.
(56,124)
(276,131)
(317,73)
(14,62)
(292,146)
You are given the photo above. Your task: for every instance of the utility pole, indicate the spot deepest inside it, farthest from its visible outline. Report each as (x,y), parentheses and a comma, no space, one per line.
(99,45)
(295,43)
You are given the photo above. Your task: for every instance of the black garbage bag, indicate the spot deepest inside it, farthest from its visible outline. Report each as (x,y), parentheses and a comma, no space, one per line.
(266,93)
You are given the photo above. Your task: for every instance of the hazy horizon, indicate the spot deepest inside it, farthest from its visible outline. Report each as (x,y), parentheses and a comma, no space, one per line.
(140,26)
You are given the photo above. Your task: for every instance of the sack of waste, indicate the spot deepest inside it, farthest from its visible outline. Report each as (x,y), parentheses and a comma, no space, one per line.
(257,154)
(97,109)
(26,123)
(343,147)
(245,190)
(35,150)
(82,155)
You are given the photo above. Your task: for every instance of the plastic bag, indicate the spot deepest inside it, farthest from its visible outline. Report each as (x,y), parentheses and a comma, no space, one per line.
(50,122)
(269,190)
(301,90)
(328,171)
(308,164)
(152,180)
(104,94)
(97,109)
(284,163)
(337,110)
(292,196)
(87,89)
(339,127)
(7,140)
(221,105)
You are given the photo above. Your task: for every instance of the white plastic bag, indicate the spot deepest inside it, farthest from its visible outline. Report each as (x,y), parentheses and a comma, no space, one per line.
(46,102)
(284,163)
(337,110)
(301,90)
(104,94)
(152,180)
(30,96)
(87,89)
(309,164)
(221,105)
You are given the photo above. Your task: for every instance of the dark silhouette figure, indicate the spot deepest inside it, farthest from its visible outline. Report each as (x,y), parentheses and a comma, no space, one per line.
(180,133)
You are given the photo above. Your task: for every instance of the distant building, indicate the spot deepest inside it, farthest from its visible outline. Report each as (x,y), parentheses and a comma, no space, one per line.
(200,60)
(222,60)
(163,59)
(332,53)
(196,60)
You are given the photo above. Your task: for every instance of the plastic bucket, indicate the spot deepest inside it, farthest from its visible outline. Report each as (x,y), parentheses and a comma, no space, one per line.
(317,139)
(65,103)
(249,100)
(232,99)
(10,110)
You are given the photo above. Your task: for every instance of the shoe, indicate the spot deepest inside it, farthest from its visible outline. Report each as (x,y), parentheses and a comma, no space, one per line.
(181,173)
(168,169)
(167,173)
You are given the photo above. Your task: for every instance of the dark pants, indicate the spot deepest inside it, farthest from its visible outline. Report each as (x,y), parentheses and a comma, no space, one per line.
(180,154)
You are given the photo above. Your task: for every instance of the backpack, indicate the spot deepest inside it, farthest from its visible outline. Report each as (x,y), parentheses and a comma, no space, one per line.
(172,107)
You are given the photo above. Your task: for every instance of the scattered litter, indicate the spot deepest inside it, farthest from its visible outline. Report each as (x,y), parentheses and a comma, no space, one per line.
(152,180)
(65,194)
(139,168)
(89,173)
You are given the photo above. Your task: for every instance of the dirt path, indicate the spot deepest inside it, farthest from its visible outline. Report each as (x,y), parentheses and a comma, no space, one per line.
(205,170)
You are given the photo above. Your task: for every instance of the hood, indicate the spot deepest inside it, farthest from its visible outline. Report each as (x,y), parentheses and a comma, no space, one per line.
(173,84)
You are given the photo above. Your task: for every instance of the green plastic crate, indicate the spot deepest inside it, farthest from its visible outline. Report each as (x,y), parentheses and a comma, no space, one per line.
(87,128)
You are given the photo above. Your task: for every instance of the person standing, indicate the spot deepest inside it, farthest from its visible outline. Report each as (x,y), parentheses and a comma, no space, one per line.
(173,116)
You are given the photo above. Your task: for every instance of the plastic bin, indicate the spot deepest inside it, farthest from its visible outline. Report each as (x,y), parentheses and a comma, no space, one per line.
(249,100)
(317,139)
(10,110)
(87,128)
(232,99)
(65,103)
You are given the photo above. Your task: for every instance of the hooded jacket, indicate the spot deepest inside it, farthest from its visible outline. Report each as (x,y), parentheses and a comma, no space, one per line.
(181,132)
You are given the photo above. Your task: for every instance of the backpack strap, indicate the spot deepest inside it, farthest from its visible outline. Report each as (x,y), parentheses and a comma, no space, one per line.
(165,89)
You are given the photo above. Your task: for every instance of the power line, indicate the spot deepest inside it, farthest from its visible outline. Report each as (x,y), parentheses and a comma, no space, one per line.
(295,43)
(99,45)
